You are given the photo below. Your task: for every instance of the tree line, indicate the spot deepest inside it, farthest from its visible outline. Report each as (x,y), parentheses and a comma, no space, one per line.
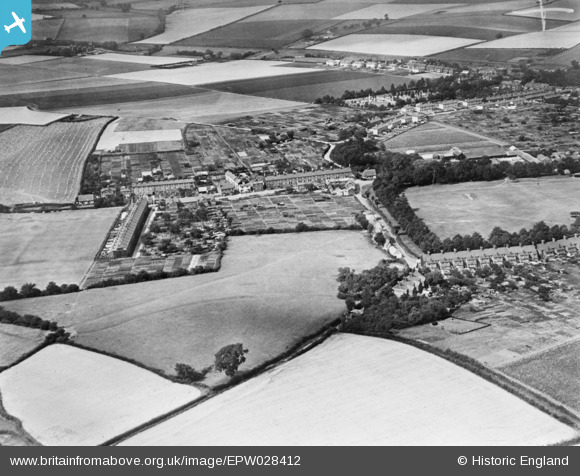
(57,334)
(29,290)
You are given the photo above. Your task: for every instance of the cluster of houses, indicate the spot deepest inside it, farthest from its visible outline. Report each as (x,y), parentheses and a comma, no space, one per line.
(472,259)
(413,66)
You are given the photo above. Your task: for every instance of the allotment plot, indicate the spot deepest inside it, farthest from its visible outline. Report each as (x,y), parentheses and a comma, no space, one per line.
(69,396)
(394,45)
(355,390)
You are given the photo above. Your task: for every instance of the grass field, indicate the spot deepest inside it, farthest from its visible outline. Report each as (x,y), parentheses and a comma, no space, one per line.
(308,87)
(269,293)
(24,74)
(58,405)
(184,23)
(426,136)
(118,27)
(257,34)
(469,207)
(17,341)
(58,247)
(394,45)
(49,28)
(354,390)
(45,164)
(209,106)
(554,372)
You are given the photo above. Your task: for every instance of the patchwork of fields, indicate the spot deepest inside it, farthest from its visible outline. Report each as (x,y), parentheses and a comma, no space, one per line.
(42,247)
(59,406)
(45,164)
(354,390)
(470,207)
(269,294)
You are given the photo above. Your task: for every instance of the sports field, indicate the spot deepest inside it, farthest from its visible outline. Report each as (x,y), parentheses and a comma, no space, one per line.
(269,294)
(42,247)
(69,396)
(394,45)
(355,390)
(45,164)
(468,207)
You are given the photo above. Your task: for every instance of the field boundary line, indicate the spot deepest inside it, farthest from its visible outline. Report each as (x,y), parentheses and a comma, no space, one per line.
(297,350)
(532,396)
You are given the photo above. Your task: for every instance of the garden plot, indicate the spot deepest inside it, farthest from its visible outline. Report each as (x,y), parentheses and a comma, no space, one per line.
(185,23)
(112,139)
(43,247)
(45,164)
(217,72)
(355,390)
(394,11)
(17,341)
(23,115)
(541,39)
(394,45)
(68,396)
(284,212)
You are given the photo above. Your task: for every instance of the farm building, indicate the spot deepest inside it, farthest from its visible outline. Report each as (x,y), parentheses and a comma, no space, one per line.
(162,187)
(128,235)
(85,201)
(320,176)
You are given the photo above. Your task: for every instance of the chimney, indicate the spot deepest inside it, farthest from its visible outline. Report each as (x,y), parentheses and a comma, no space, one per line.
(543,242)
(553,240)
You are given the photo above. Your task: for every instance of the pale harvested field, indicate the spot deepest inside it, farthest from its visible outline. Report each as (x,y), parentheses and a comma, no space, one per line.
(324,10)
(185,23)
(355,390)
(205,107)
(545,39)
(111,138)
(139,59)
(480,206)
(23,115)
(26,59)
(216,72)
(16,341)
(60,247)
(271,291)
(68,396)
(396,45)
(557,10)
(394,11)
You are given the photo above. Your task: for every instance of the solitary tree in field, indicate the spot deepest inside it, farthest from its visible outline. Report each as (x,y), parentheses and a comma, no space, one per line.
(229,358)
(306,34)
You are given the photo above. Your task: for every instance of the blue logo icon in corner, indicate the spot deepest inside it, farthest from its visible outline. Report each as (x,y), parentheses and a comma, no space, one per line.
(15,22)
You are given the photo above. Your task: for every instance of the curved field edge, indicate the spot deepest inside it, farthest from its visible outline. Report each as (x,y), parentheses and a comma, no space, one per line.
(286,389)
(535,398)
(11,430)
(50,394)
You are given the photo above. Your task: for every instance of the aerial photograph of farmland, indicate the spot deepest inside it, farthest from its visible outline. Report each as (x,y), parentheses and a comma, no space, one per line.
(291,223)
